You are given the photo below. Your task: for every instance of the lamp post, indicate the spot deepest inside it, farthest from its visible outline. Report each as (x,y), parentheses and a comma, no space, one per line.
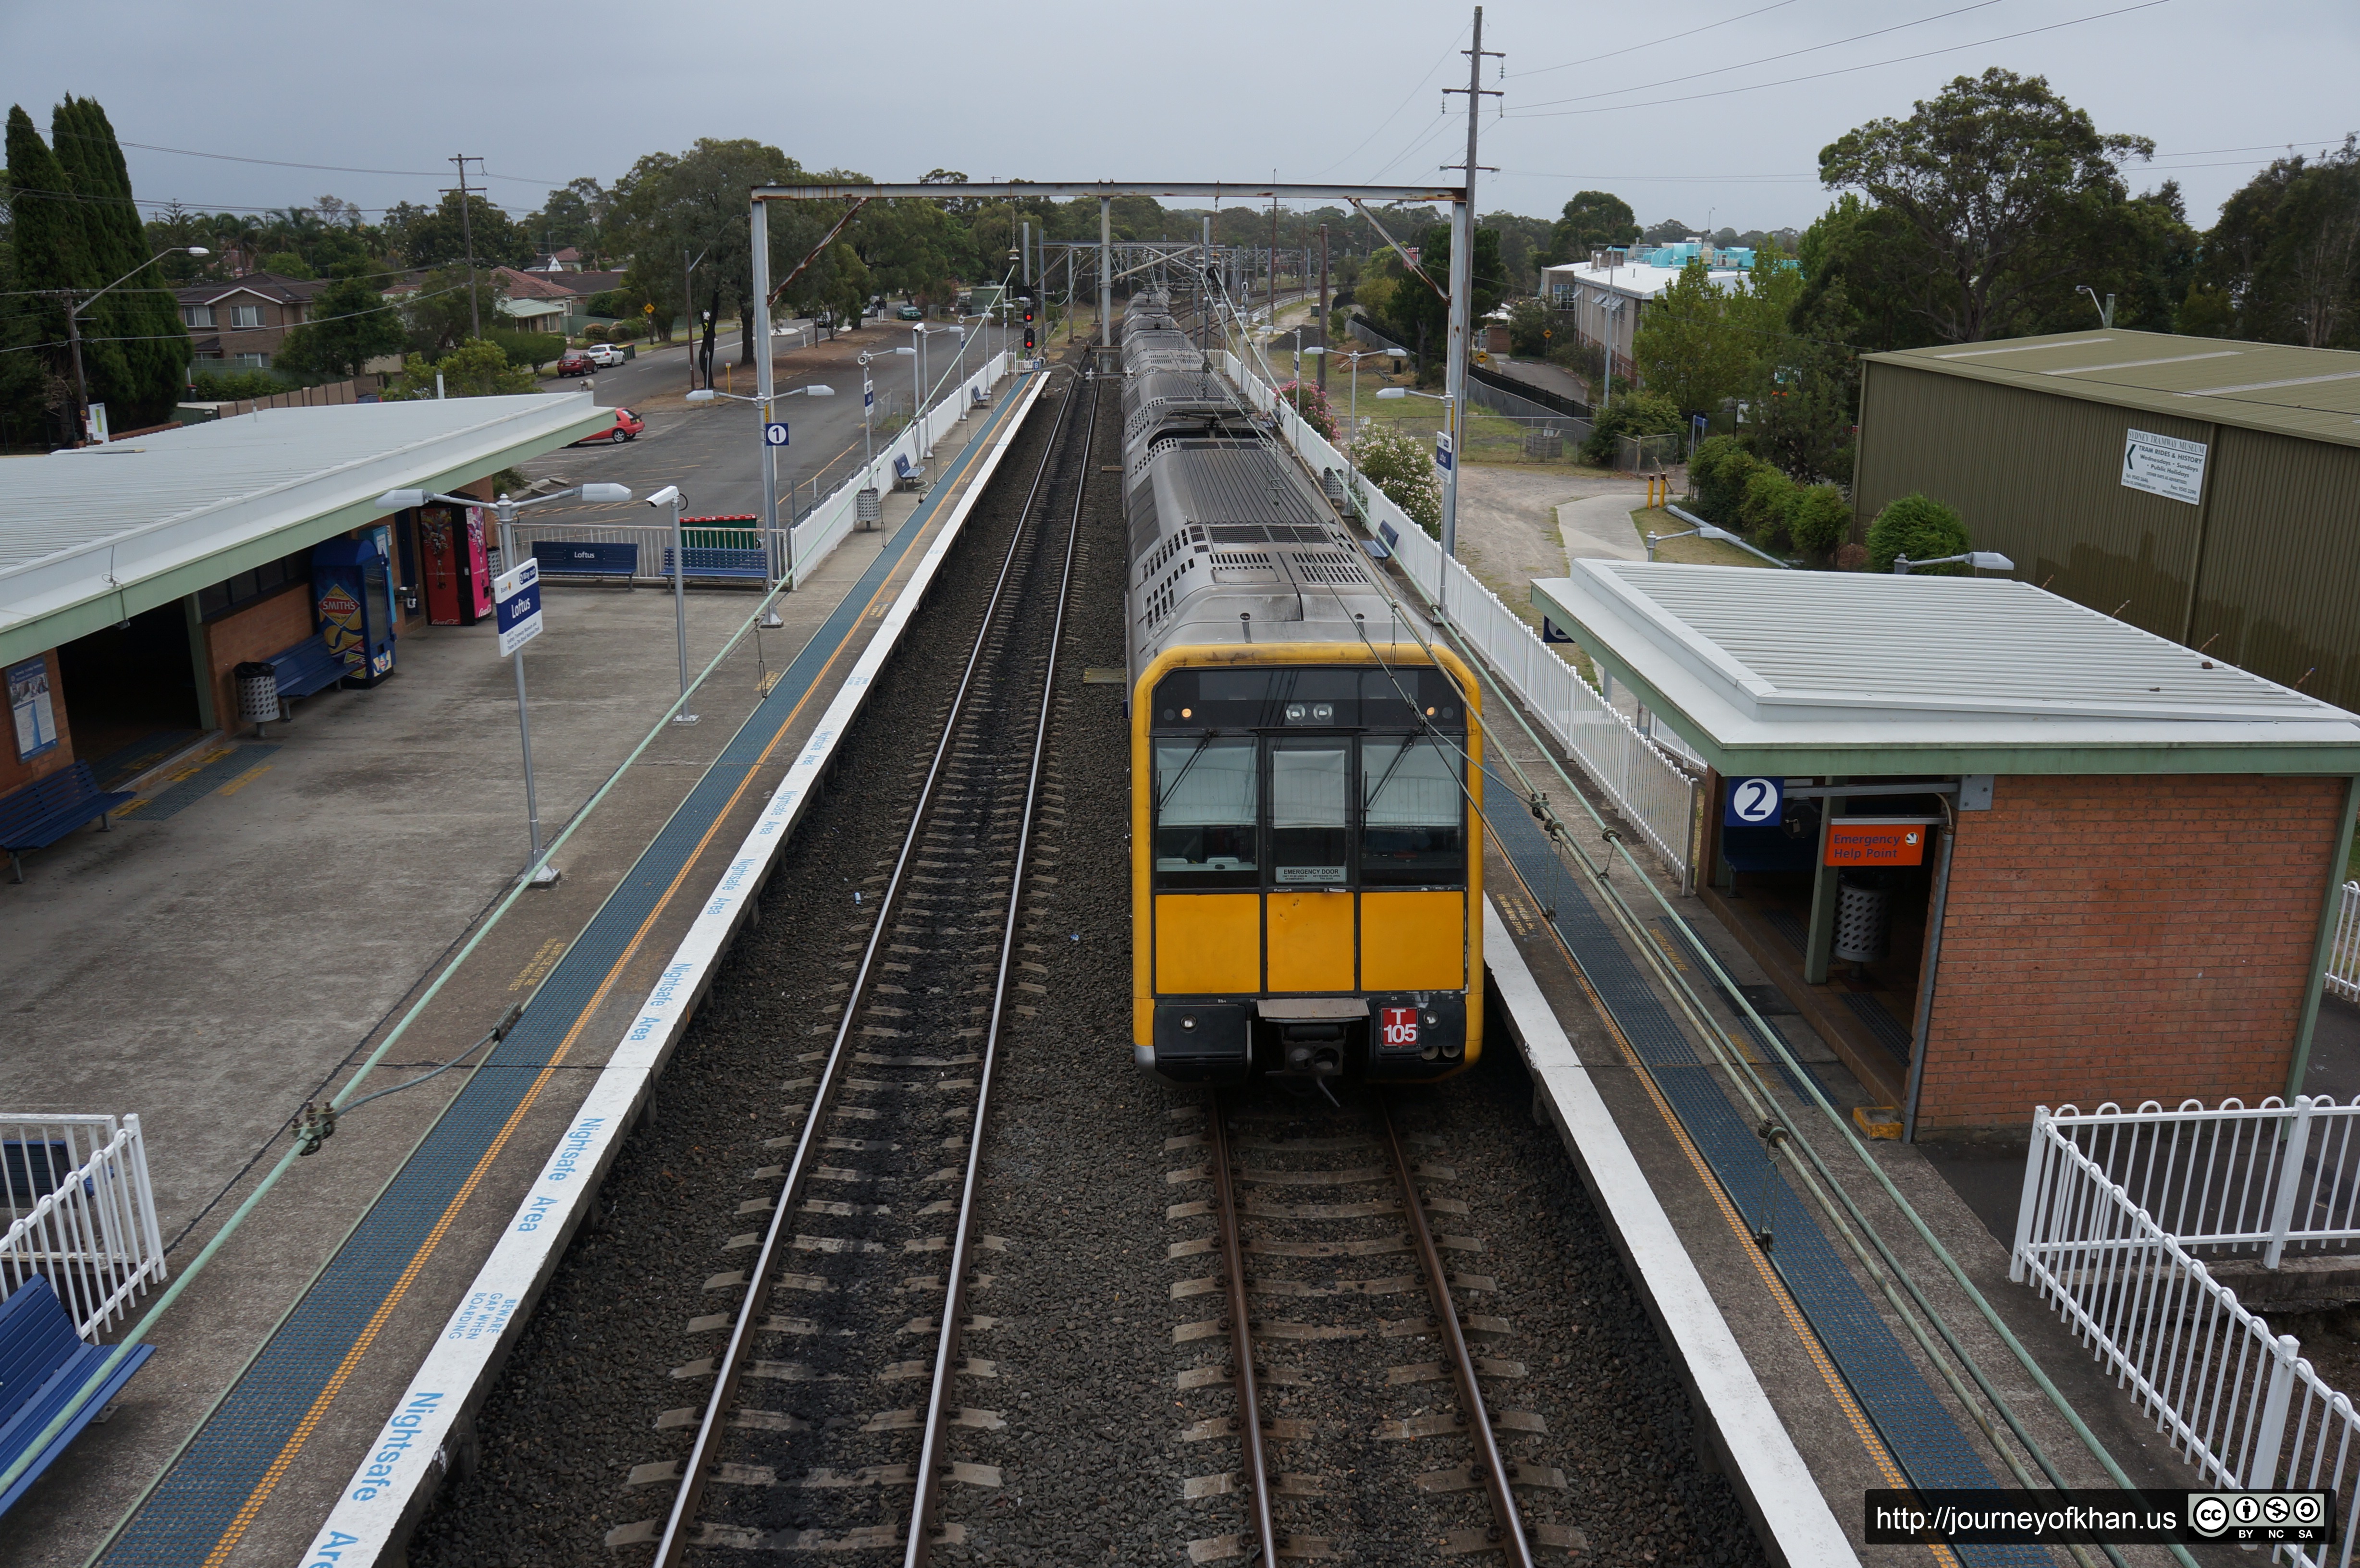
(506,510)
(73,325)
(770,473)
(867,407)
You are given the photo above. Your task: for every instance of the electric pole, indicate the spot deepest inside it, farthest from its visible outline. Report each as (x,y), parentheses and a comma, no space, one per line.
(1322,313)
(467,238)
(1462,290)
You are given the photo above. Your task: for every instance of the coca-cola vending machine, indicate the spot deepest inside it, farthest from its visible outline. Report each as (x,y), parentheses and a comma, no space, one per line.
(457,567)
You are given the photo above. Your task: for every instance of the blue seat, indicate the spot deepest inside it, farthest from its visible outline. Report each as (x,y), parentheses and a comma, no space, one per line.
(719,561)
(559,558)
(1767,849)
(51,807)
(908,475)
(42,1363)
(306,668)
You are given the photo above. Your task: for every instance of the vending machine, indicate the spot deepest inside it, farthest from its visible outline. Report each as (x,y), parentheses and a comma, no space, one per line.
(457,567)
(351,592)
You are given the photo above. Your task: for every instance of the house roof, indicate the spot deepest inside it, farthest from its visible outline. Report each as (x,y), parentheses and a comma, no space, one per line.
(522,284)
(1863,674)
(1634,281)
(91,537)
(582,283)
(2310,392)
(262,285)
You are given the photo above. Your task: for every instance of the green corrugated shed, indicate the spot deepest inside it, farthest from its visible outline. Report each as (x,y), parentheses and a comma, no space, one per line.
(2252,553)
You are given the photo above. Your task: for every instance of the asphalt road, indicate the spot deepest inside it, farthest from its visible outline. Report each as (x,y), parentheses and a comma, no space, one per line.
(713,451)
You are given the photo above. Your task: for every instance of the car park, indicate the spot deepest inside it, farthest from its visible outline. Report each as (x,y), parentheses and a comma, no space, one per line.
(627,427)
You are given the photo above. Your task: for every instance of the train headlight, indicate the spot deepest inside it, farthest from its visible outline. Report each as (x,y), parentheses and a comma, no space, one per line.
(1187,1020)
(1297,713)
(1310,712)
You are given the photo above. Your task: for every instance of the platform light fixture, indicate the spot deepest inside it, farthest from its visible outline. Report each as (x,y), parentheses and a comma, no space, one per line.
(669,497)
(1980,559)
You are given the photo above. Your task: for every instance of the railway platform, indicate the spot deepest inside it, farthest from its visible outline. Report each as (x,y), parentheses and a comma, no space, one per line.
(288,1355)
(1801,1372)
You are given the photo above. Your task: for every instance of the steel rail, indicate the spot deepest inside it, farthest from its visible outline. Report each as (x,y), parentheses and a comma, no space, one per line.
(1241,1352)
(700,1462)
(931,1465)
(1489,1468)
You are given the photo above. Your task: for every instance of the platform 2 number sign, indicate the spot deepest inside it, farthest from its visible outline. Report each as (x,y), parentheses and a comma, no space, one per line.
(29,704)
(1756,803)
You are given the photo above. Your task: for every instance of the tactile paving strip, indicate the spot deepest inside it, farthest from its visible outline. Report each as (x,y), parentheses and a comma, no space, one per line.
(215,1485)
(1914,1423)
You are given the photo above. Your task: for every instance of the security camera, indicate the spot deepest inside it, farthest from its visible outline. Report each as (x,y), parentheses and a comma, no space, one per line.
(665,496)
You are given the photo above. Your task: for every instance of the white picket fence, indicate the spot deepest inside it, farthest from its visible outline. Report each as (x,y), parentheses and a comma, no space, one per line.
(80,1211)
(828,524)
(2343,954)
(2236,1400)
(1651,790)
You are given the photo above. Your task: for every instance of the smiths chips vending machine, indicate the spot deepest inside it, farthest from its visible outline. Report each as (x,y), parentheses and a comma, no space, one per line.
(350,591)
(458,569)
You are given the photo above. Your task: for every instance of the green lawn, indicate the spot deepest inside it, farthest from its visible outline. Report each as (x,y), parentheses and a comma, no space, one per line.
(1691,550)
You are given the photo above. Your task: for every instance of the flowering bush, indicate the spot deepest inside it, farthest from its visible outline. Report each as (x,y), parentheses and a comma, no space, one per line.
(1312,404)
(1401,466)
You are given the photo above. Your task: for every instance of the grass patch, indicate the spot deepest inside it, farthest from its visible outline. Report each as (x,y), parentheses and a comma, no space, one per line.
(1691,550)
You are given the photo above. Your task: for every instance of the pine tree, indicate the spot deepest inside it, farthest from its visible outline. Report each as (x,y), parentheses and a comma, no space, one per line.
(142,315)
(53,253)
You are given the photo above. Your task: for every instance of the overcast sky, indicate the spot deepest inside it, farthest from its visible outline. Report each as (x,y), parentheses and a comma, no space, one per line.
(1620,97)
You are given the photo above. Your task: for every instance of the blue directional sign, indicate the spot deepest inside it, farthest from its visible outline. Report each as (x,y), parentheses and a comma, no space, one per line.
(1756,803)
(775,432)
(867,395)
(1442,455)
(515,599)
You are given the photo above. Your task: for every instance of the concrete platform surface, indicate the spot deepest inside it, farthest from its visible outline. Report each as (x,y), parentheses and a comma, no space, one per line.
(214,970)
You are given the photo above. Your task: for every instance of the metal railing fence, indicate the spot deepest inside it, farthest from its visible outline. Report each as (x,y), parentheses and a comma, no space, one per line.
(1646,785)
(80,1211)
(2233,1400)
(2344,953)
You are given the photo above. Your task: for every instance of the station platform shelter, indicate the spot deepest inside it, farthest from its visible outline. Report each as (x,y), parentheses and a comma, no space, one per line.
(1999,849)
(136,576)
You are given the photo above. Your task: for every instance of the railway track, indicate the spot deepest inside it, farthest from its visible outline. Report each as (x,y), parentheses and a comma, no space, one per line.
(1371,1447)
(870,1234)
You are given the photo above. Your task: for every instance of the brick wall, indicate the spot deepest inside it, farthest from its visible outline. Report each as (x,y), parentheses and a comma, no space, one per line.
(257,631)
(15,775)
(2126,938)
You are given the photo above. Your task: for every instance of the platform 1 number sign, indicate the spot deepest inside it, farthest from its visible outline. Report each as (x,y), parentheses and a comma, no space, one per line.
(1756,803)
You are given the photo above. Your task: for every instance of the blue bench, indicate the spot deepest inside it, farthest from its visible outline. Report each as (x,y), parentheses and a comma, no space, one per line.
(306,668)
(1768,849)
(51,807)
(717,561)
(908,475)
(42,1363)
(559,559)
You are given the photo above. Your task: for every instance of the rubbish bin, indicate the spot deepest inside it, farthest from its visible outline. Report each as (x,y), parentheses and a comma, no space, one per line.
(1863,918)
(867,508)
(258,694)
(1331,484)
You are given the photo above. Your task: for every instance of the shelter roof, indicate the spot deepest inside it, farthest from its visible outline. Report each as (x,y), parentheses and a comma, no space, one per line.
(93,536)
(1857,673)
(2310,392)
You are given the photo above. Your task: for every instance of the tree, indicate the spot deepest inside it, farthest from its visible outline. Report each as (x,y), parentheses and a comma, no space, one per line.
(1417,309)
(1686,347)
(672,208)
(1402,468)
(434,236)
(288,263)
(1594,220)
(1639,414)
(1525,246)
(1998,183)
(575,215)
(350,324)
(2285,255)
(1921,528)
(474,369)
(52,258)
(141,312)
(437,316)
(1671,231)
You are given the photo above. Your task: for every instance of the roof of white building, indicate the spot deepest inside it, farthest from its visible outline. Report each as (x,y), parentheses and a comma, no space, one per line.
(1832,672)
(92,536)
(1634,280)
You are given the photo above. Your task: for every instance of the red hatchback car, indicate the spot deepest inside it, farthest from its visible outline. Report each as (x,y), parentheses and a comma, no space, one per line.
(627,427)
(576,362)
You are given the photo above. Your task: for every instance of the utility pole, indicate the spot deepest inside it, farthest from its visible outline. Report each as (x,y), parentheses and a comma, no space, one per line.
(1322,313)
(1274,252)
(467,238)
(1106,274)
(1462,275)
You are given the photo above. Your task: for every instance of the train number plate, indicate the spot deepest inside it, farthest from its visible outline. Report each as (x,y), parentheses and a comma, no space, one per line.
(1399,1026)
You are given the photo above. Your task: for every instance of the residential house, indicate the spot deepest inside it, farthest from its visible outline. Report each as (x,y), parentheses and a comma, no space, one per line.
(240,325)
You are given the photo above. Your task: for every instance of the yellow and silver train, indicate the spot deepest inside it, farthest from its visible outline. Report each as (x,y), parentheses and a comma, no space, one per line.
(1305,853)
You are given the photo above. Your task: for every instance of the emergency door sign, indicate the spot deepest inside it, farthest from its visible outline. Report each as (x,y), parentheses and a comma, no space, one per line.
(1876,840)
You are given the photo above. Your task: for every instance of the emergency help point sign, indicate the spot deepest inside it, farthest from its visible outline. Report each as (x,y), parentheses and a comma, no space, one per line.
(1874,841)
(2164,465)
(516,602)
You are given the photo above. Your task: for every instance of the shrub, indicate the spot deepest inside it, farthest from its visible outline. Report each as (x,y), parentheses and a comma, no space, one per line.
(528,351)
(623,331)
(1401,467)
(1312,404)
(1718,471)
(474,369)
(1921,528)
(1527,320)
(1852,558)
(228,387)
(1820,519)
(1639,414)
(594,333)
(1768,508)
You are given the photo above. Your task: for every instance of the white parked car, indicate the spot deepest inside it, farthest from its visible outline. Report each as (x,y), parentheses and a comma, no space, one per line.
(605,355)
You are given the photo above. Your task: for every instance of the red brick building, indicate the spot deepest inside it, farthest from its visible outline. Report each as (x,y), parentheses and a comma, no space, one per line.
(1999,849)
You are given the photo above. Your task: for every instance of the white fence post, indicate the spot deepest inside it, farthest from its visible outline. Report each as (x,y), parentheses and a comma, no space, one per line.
(2271,1430)
(2289,1180)
(2036,1164)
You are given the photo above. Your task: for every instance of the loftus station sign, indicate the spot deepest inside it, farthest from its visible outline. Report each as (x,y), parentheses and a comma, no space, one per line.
(1877,841)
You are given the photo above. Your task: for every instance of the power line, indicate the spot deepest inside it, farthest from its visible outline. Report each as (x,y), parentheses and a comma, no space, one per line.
(1404,104)
(1842,70)
(1680,38)
(321,167)
(1769,60)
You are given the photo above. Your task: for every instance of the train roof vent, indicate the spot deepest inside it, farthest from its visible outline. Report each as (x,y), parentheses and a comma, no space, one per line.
(1243,560)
